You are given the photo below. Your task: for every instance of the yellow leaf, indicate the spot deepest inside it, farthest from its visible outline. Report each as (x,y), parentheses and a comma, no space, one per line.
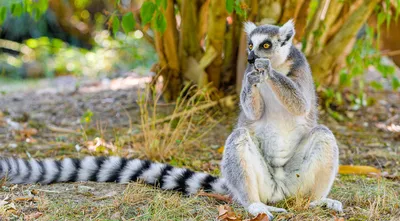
(221,149)
(361,170)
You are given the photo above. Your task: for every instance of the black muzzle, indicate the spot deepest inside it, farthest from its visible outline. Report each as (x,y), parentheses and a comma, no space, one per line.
(252,57)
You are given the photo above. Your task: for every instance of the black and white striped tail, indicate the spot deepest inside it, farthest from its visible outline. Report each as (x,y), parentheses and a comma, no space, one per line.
(108,169)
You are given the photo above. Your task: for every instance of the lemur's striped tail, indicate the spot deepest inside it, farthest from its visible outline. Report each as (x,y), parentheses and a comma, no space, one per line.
(108,169)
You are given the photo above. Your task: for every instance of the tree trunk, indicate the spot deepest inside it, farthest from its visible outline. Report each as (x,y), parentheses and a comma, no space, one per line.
(210,46)
(167,50)
(215,39)
(321,63)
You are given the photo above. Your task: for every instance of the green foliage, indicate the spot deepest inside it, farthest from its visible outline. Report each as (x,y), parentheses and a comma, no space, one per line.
(153,12)
(128,22)
(147,11)
(115,24)
(108,56)
(229,5)
(352,86)
(366,54)
(160,22)
(239,6)
(87,117)
(35,8)
(162,3)
(3,14)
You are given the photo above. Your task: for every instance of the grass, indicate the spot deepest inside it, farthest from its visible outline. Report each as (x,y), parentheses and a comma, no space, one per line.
(364,198)
(165,137)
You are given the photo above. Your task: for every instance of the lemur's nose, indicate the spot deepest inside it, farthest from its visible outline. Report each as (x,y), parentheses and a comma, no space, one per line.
(252,57)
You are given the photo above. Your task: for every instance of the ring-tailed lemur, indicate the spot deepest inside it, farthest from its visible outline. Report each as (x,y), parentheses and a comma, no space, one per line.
(277,149)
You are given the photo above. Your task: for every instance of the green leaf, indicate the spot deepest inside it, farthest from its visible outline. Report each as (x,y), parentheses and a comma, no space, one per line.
(42,6)
(395,83)
(115,25)
(160,22)
(162,3)
(3,14)
(147,11)
(16,9)
(381,18)
(229,5)
(344,78)
(128,22)
(376,85)
(87,117)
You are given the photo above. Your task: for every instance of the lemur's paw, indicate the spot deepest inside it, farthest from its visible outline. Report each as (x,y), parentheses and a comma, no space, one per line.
(253,77)
(257,208)
(276,209)
(329,203)
(238,136)
(262,64)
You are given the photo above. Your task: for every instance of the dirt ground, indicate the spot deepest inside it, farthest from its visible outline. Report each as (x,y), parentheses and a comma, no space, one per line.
(43,119)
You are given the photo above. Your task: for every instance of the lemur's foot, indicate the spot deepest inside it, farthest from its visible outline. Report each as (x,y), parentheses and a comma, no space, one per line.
(257,208)
(329,203)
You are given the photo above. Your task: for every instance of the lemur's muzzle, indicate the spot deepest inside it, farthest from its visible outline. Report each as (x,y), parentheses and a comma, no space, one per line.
(252,57)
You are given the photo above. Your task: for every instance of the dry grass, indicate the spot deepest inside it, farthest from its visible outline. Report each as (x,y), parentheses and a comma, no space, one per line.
(164,137)
(363,198)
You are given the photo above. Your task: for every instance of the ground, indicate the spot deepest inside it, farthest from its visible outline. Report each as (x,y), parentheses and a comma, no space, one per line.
(46,118)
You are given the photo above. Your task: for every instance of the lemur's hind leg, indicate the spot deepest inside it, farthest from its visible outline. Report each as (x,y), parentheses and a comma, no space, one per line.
(246,173)
(320,164)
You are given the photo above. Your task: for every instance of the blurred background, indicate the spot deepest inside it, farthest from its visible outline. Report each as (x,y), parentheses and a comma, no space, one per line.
(158,79)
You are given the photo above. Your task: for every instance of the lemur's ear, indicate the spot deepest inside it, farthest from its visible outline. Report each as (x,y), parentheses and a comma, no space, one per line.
(286,32)
(249,27)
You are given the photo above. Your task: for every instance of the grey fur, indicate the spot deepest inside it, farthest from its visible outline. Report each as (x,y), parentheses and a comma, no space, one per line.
(278,149)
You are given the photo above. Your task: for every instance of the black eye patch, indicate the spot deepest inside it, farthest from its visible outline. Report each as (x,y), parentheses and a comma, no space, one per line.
(266,45)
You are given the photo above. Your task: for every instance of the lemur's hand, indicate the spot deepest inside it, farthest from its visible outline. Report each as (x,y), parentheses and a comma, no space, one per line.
(254,77)
(263,65)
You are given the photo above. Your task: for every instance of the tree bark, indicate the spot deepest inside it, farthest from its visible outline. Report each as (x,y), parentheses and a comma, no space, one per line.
(215,39)
(167,50)
(321,63)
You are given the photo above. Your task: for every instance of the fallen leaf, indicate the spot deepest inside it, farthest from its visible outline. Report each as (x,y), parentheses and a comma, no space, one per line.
(221,149)
(24,198)
(360,170)
(33,216)
(260,217)
(227,199)
(100,145)
(339,218)
(226,214)
(27,132)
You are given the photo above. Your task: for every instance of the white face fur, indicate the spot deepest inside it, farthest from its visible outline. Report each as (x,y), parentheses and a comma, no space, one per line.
(269,41)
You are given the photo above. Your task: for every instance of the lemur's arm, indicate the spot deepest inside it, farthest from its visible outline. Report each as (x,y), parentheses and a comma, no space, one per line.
(287,90)
(250,98)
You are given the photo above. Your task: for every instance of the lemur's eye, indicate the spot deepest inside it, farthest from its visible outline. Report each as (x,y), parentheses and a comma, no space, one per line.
(251,46)
(266,45)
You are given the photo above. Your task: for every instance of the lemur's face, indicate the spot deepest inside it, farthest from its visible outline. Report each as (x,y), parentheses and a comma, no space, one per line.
(269,41)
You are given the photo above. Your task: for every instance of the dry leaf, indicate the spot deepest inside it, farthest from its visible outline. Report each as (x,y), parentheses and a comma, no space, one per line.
(226,198)
(221,149)
(361,170)
(260,217)
(226,214)
(33,216)
(100,145)
(27,132)
(339,218)
(28,198)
